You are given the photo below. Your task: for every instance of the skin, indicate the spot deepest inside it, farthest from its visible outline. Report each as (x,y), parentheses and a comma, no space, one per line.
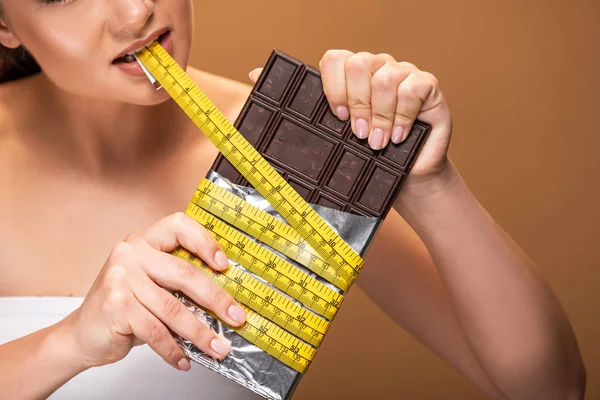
(81,143)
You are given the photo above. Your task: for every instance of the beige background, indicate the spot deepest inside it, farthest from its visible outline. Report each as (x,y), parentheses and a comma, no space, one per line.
(523,85)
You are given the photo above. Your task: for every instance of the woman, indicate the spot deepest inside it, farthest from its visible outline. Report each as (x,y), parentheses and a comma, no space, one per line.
(94,164)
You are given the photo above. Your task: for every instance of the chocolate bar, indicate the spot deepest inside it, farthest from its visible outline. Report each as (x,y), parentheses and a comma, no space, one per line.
(288,120)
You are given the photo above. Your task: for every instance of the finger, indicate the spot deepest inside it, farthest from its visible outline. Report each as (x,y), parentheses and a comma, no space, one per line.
(255,74)
(148,329)
(358,81)
(412,94)
(384,88)
(173,313)
(181,230)
(333,74)
(177,274)
(359,72)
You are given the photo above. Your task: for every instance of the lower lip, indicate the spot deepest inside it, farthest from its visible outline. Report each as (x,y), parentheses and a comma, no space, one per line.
(134,68)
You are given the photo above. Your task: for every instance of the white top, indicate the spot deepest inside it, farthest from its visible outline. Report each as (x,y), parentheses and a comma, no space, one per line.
(141,375)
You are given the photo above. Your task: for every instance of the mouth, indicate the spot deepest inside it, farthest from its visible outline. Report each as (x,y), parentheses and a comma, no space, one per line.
(127,56)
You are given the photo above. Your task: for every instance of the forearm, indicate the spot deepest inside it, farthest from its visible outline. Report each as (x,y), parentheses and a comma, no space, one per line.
(512,320)
(34,366)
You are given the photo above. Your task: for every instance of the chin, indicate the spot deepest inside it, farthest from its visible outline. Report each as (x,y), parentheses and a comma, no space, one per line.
(151,97)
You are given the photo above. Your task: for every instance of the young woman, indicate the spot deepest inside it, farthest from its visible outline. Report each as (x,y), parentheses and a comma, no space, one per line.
(95,163)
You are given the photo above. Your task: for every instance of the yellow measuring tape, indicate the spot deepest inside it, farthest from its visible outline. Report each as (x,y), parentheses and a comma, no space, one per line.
(265,301)
(272,268)
(275,323)
(267,229)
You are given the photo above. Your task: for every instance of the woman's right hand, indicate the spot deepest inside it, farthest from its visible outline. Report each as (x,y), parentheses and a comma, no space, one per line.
(127,304)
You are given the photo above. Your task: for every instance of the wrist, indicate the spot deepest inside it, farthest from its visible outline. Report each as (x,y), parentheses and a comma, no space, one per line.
(62,344)
(431,205)
(419,188)
(425,197)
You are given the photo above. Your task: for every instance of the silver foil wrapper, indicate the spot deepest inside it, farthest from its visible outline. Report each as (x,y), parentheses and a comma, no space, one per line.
(247,364)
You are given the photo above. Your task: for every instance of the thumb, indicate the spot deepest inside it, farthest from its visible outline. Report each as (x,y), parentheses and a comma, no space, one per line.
(255,74)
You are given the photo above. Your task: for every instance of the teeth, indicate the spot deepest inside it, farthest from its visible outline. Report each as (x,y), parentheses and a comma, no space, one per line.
(142,48)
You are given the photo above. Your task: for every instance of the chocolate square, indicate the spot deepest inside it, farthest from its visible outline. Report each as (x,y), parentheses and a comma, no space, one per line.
(288,120)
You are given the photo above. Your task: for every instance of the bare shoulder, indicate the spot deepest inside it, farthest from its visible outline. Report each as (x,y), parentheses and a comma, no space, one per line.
(228,94)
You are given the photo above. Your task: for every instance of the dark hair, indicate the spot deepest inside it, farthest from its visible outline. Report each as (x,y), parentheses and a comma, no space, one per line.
(15,63)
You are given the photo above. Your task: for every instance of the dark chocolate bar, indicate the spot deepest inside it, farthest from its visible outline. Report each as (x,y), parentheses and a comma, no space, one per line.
(288,120)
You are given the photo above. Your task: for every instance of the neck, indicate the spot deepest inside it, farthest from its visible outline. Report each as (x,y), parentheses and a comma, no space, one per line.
(98,137)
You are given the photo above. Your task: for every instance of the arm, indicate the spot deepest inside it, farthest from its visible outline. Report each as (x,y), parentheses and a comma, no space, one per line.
(455,280)
(128,306)
(34,366)
(466,291)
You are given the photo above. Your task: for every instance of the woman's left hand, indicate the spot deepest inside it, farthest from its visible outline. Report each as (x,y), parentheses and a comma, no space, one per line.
(383,97)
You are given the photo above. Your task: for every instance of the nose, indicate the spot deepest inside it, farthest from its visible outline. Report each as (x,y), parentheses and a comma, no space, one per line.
(130,17)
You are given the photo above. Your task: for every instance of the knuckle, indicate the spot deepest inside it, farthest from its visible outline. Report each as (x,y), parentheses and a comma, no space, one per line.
(203,335)
(385,80)
(333,56)
(402,118)
(408,66)
(365,55)
(386,57)
(357,63)
(156,333)
(410,88)
(430,78)
(121,252)
(217,297)
(115,275)
(185,271)
(174,353)
(381,116)
(133,239)
(178,221)
(433,85)
(116,300)
(359,105)
(359,102)
(171,307)
(204,235)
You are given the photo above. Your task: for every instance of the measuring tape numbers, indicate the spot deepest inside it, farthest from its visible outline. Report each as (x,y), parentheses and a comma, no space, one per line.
(270,267)
(267,229)
(264,300)
(272,339)
(286,330)
(240,153)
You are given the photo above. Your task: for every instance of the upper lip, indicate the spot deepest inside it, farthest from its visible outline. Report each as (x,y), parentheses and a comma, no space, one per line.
(142,42)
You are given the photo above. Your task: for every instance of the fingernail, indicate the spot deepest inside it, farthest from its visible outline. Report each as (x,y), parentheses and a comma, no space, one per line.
(237,314)
(220,346)
(405,134)
(397,134)
(184,364)
(362,128)
(342,112)
(221,259)
(376,139)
